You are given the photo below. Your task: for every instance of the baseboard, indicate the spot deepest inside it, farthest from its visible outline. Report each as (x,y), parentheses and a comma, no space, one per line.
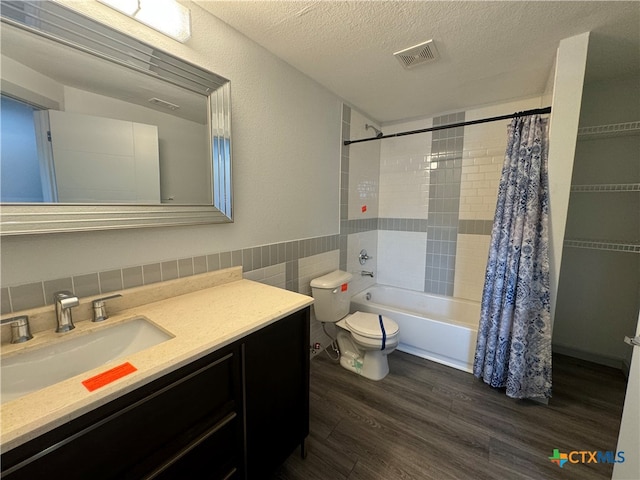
(617,363)
(626,368)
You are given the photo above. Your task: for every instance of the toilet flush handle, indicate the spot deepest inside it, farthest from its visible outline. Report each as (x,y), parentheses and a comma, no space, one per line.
(341,288)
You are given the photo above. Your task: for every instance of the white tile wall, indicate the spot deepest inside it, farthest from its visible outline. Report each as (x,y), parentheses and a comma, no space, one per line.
(355,243)
(402,257)
(364,170)
(404,172)
(483,156)
(481,169)
(404,186)
(471,264)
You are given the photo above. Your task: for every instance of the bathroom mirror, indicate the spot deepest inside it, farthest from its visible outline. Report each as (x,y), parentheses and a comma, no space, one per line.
(102,131)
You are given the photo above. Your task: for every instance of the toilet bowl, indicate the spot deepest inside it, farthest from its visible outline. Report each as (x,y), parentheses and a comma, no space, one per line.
(364,339)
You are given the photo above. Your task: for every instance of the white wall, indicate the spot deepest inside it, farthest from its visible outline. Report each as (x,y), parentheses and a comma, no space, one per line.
(286,147)
(25,83)
(184,154)
(598,290)
(571,61)
(613,100)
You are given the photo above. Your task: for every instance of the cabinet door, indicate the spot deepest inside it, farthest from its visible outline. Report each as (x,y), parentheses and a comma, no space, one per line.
(188,417)
(276,363)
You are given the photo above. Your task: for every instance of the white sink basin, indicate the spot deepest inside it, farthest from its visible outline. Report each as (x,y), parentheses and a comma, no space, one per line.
(37,368)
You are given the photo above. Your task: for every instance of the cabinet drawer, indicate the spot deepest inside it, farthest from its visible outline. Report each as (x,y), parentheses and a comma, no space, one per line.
(212,455)
(133,440)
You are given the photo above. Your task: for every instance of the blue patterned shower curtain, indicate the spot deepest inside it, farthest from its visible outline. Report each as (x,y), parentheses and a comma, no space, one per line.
(514,335)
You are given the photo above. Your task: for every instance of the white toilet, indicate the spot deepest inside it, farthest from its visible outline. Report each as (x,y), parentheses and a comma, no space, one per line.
(364,339)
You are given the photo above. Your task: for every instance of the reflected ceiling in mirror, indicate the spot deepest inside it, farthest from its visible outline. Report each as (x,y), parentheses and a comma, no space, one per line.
(106,131)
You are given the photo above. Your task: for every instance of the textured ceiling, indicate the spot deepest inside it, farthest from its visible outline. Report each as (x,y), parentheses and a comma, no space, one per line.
(489,51)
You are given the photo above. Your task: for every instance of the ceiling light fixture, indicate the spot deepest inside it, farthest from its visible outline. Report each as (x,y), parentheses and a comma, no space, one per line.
(166,16)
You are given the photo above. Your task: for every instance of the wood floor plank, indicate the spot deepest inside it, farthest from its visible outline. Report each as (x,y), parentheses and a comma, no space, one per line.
(426,421)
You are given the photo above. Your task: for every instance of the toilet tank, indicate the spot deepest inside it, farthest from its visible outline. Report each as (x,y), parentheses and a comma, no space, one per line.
(332,296)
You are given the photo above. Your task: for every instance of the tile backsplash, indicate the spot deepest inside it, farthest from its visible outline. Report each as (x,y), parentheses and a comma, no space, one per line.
(38,294)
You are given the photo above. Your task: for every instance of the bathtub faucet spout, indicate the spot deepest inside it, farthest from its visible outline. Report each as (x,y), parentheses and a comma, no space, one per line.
(365,273)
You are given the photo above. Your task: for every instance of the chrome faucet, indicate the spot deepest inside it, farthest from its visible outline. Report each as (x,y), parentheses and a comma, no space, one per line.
(20,331)
(64,301)
(100,309)
(365,273)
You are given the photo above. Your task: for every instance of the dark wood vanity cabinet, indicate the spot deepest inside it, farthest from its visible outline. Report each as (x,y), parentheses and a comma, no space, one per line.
(235,413)
(277,393)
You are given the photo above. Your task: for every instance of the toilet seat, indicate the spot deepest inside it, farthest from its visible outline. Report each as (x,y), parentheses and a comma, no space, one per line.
(368,325)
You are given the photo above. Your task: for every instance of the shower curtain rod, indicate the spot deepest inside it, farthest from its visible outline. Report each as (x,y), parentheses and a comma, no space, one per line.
(535,111)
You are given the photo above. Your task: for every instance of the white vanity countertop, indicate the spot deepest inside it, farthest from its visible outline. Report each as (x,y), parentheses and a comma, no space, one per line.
(201,321)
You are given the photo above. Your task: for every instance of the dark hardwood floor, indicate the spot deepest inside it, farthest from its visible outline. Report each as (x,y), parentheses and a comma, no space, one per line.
(427,421)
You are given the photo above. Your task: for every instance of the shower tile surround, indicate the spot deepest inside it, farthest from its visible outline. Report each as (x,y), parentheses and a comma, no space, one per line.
(458,172)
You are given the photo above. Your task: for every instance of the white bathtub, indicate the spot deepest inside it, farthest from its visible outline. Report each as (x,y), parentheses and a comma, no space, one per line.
(438,328)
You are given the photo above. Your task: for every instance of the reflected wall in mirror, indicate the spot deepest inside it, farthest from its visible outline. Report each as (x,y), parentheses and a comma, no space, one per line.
(100,130)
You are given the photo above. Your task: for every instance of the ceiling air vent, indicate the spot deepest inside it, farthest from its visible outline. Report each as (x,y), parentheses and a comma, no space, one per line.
(417,55)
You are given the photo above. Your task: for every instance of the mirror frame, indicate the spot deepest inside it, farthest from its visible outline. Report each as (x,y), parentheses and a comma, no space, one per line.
(66,26)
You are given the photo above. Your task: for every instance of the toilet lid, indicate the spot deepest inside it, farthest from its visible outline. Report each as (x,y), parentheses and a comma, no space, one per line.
(368,325)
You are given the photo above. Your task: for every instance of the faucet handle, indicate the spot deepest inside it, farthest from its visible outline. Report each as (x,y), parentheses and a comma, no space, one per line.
(20,331)
(66,299)
(363,257)
(99,307)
